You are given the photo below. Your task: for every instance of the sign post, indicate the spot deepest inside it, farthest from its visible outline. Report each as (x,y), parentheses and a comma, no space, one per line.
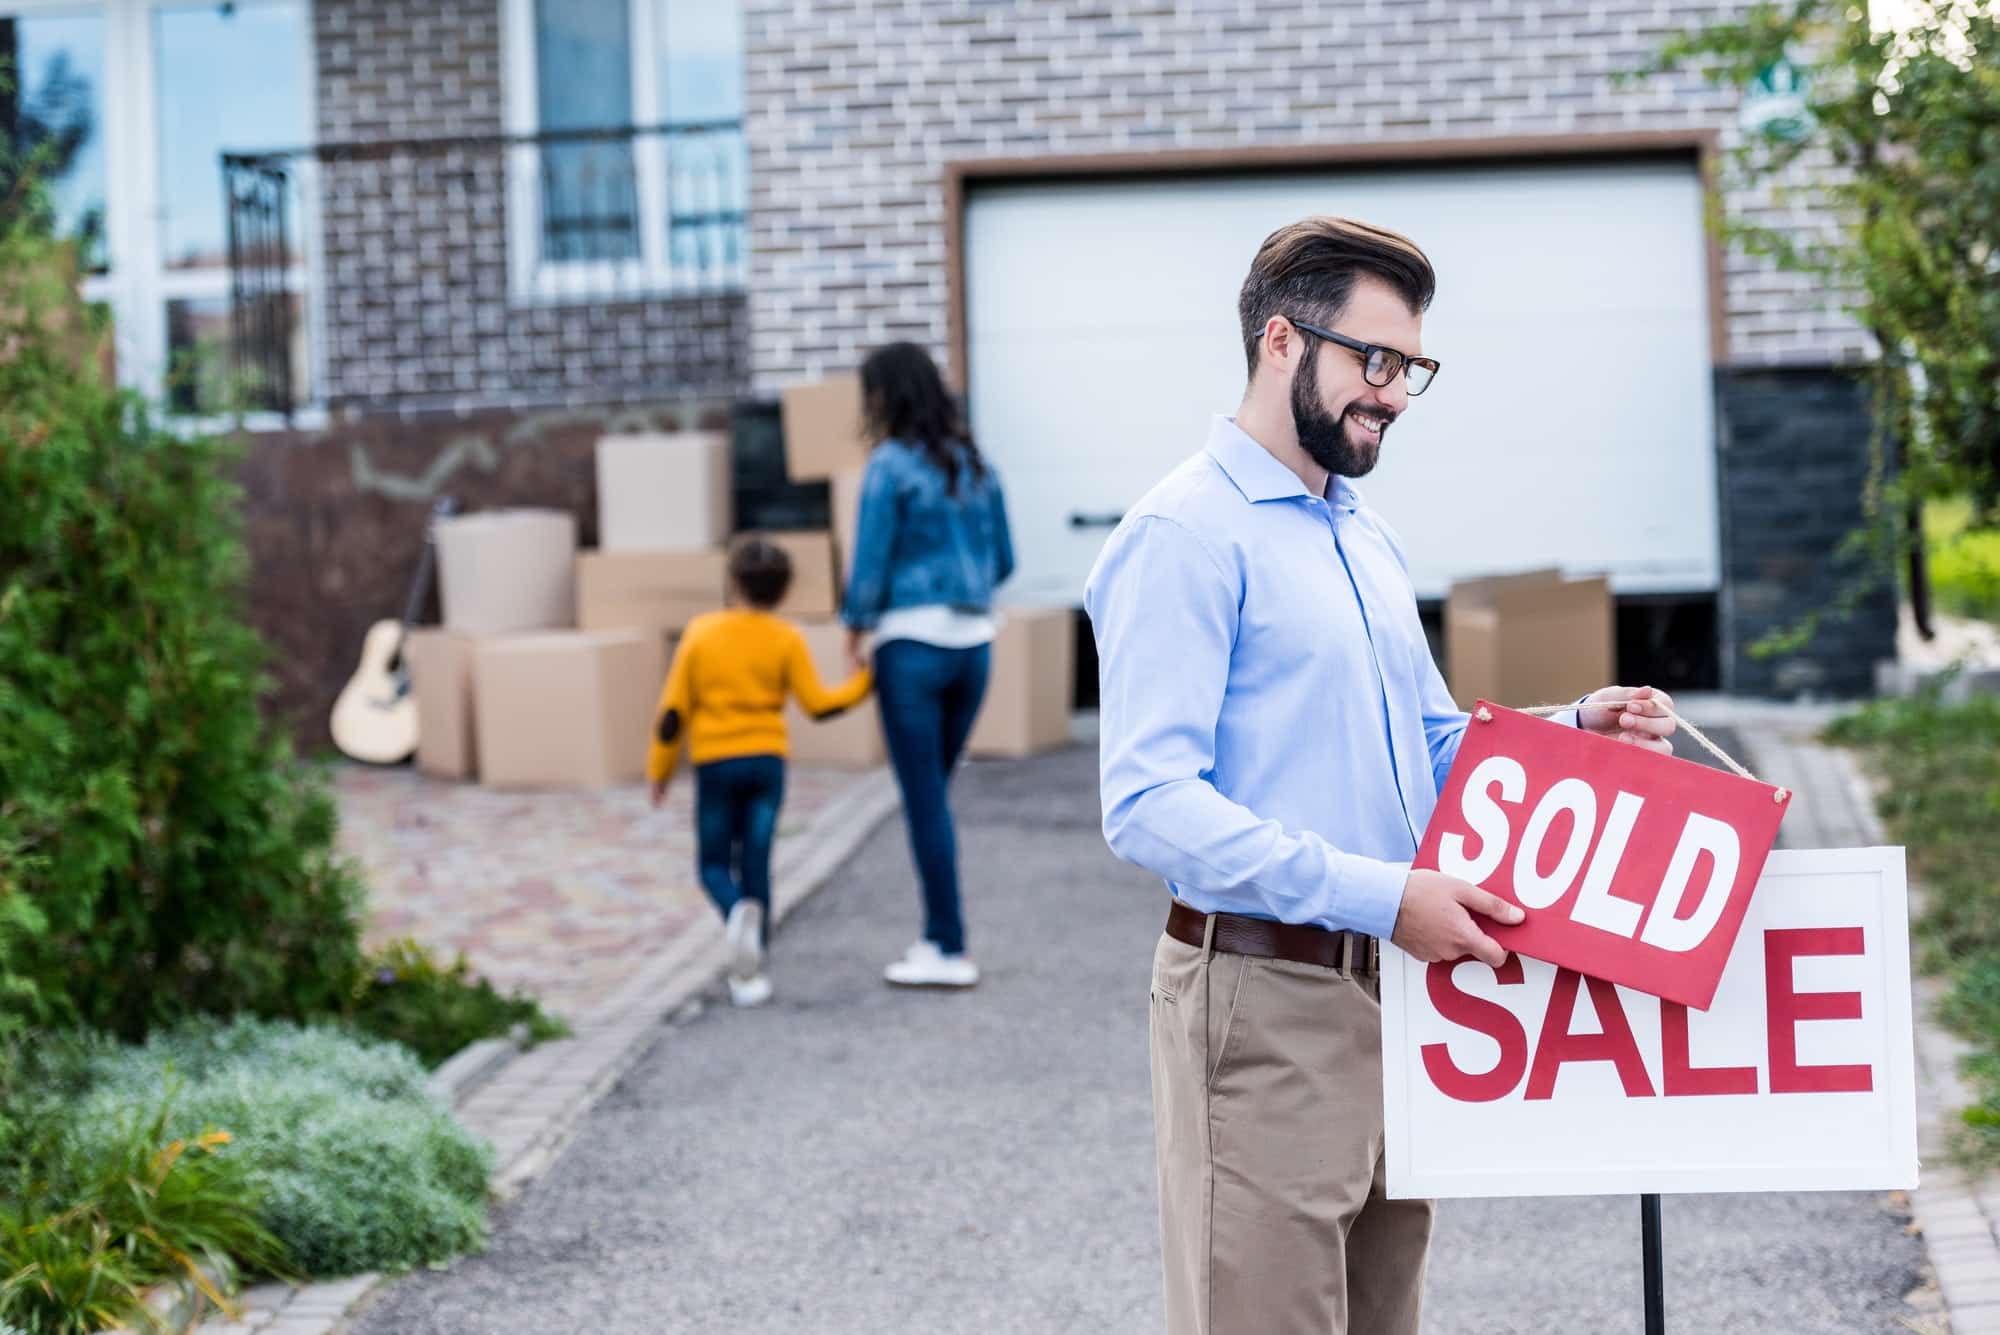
(1649,1246)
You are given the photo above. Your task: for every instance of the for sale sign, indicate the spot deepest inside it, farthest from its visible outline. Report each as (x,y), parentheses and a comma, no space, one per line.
(1533,1080)
(1631,866)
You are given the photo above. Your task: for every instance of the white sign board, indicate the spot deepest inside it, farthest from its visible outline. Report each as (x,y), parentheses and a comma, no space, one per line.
(1534,1082)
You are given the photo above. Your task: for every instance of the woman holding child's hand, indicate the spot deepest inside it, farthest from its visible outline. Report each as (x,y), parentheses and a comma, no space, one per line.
(931,545)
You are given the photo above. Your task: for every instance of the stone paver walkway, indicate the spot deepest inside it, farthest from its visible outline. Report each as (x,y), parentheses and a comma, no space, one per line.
(563,893)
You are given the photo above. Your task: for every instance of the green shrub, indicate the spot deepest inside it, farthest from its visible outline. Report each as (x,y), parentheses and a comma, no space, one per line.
(1964,561)
(355,1166)
(435,1010)
(161,852)
(1940,797)
(94,1221)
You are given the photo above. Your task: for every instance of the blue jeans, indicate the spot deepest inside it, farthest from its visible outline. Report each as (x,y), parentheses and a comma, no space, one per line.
(735,817)
(929,697)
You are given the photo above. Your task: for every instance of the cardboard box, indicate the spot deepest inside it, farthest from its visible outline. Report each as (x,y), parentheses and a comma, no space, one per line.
(664,492)
(566,707)
(440,667)
(823,428)
(653,591)
(854,739)
(502,571)
(1528,639)
(815,591)
(1028,695)
(844,501)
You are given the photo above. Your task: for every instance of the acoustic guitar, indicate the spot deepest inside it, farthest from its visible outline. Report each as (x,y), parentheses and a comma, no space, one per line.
(375,718)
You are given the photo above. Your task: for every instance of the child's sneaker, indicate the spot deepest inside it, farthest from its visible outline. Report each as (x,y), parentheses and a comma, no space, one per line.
(752,991)
(924,965)
(745,934)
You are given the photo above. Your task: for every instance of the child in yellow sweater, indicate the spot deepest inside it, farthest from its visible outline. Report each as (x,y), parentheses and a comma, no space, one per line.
(725,698)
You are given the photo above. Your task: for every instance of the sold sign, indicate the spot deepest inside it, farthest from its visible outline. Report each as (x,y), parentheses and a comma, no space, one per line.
(1632,867)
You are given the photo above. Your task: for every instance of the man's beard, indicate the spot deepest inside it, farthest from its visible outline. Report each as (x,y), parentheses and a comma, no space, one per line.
(1323,435)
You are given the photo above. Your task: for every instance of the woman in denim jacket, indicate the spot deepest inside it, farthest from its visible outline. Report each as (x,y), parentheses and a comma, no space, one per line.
(930,547)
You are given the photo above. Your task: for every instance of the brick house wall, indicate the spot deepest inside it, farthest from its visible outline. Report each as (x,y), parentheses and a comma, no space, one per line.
(435,380)
(856,106)
(854,109)
(416,304)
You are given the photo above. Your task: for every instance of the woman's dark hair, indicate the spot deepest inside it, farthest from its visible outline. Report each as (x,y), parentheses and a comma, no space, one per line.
(904,398)
(761,569)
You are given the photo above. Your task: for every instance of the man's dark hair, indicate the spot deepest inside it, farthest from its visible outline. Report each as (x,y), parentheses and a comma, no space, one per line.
(1308,270)
(760,569)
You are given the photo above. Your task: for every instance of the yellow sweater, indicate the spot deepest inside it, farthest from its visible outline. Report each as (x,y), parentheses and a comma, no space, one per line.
(725,693)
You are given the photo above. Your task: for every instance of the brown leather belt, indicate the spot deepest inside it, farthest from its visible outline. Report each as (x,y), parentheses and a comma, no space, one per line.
(1350,952)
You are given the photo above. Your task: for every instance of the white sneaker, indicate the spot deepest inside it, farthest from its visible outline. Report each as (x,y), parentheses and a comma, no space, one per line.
(752,991)
(924,965)
(745,934)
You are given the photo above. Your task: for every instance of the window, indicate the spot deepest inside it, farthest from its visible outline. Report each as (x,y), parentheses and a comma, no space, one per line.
(126,107)
(636,180)
(226,78)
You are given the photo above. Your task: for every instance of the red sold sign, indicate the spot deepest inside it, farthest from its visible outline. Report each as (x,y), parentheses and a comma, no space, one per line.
(1633,867)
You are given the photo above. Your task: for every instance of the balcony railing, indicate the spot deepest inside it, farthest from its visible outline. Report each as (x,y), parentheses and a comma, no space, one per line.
(563,266)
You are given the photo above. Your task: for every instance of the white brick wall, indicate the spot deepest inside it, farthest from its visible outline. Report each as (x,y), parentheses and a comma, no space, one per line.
(856,105)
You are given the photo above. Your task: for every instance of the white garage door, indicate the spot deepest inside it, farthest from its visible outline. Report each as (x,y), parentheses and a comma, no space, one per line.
(1571,426)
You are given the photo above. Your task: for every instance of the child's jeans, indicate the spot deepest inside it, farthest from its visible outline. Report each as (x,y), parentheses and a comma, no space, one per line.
(736,815)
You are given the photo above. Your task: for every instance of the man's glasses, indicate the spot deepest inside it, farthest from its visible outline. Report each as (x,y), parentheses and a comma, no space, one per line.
(1379,365)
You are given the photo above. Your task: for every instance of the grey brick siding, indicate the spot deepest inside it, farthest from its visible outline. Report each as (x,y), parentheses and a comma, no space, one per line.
(857,105)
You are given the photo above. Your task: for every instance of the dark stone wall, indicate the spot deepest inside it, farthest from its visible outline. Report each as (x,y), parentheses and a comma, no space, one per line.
(1794,457)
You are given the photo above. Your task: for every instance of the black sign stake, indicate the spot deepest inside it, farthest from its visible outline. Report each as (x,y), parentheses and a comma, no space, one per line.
(1649,1243)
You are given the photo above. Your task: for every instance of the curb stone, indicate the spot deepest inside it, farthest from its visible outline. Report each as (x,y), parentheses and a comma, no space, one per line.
(528,1104)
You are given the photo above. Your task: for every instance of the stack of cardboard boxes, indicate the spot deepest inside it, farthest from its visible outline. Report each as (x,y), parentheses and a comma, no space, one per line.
(549,663)
(508,688)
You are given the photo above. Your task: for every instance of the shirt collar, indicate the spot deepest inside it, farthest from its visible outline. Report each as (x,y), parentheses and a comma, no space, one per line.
(1258,474)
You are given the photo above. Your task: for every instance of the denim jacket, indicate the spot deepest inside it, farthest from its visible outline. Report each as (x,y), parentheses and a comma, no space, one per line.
(916,544)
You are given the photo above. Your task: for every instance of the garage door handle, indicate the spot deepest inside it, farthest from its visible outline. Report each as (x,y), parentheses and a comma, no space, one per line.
(1081,520)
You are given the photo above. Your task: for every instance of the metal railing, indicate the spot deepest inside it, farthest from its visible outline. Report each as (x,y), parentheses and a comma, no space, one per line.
(479,270)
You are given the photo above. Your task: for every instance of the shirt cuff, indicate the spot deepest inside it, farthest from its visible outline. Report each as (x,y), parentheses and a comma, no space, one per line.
(1572,717)
(1370,898)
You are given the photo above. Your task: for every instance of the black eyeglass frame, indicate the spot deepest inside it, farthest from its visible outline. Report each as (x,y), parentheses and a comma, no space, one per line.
(1368,350)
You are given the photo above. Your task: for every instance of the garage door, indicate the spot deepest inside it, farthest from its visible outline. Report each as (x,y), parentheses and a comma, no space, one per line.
(1572,424)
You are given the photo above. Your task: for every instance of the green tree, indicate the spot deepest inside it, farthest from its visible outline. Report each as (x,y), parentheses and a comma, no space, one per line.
(161,852)
(1903,100)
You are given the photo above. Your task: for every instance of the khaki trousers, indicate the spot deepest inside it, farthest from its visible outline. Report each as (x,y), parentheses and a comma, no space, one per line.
(1267,1114)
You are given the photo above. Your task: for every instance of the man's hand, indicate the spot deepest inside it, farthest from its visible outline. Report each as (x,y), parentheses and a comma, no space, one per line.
(1637,716)
(1436,922)
(658,789)
(856,643)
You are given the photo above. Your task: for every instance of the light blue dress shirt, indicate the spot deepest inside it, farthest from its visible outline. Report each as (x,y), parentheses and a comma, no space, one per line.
(1273,730)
